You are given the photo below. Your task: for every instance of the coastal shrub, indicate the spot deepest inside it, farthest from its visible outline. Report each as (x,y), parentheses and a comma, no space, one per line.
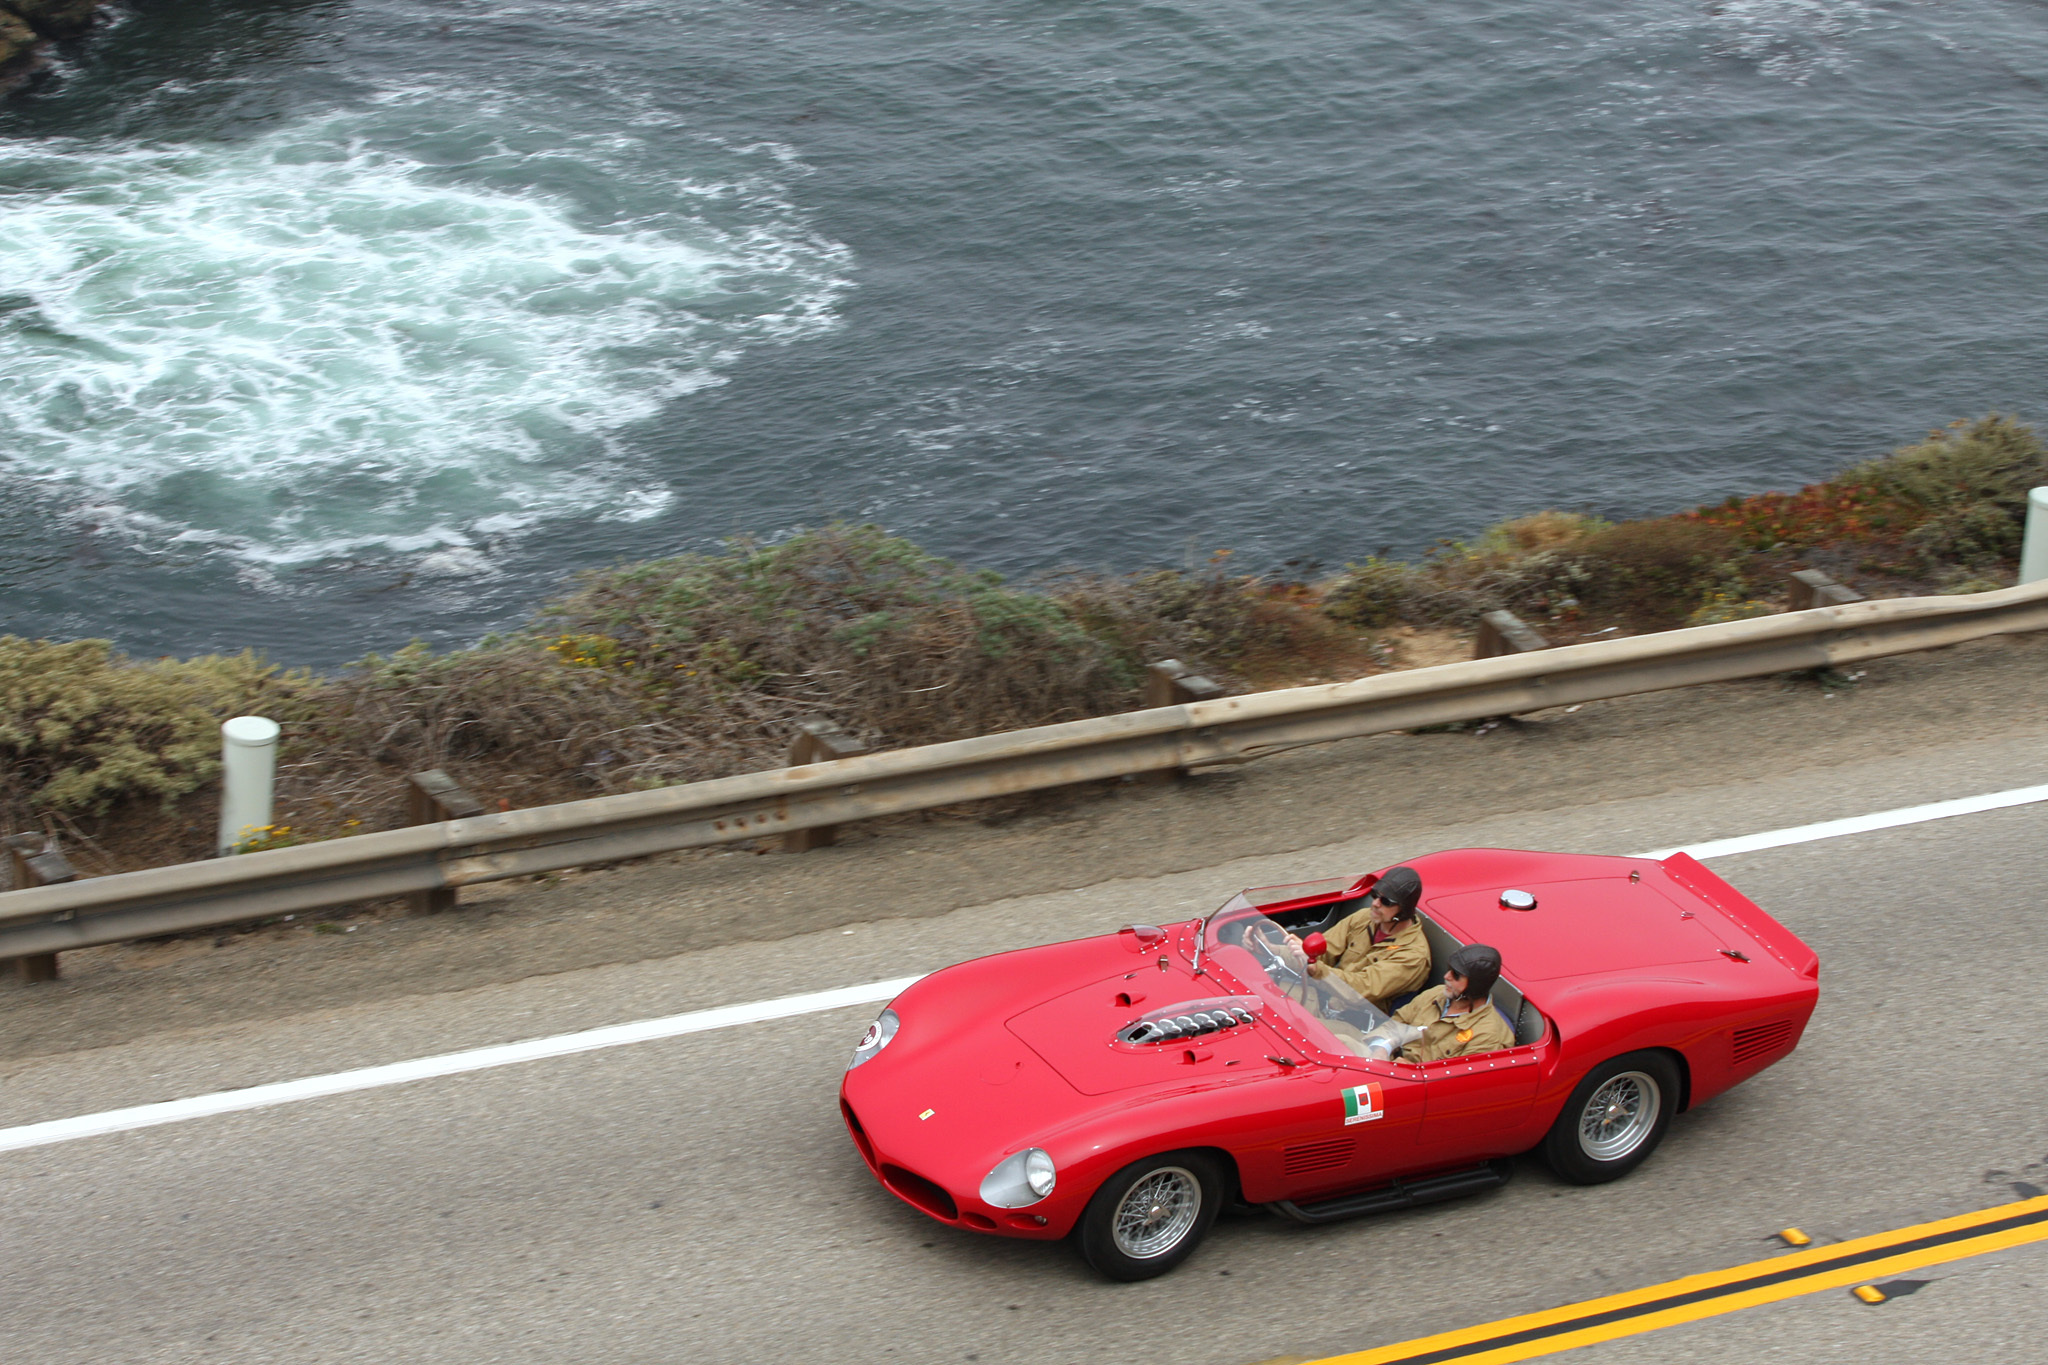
(1724,606)
(1970,481)
(1375,594)
(1223,623)
(847,621)
(83,727)
(1529,563)
(415,709)
(1657,568)
(1537,533)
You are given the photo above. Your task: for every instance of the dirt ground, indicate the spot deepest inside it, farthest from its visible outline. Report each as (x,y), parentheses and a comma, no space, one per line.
(1630,747)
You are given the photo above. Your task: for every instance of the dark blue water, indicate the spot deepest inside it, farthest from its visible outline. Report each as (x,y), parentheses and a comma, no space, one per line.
(327,325)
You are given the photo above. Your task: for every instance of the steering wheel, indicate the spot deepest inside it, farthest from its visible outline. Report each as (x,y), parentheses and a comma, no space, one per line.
(1265,942)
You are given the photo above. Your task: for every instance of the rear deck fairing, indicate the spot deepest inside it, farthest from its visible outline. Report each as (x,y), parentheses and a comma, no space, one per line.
(1631,953)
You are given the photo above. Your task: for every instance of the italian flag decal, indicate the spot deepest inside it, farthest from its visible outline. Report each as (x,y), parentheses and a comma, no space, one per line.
(1364,1103)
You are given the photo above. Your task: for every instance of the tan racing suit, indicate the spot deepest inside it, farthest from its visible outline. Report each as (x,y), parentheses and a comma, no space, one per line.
(1477,1030)
(1394,966)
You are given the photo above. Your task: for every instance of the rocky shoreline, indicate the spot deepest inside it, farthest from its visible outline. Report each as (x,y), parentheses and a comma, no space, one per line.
(27,27)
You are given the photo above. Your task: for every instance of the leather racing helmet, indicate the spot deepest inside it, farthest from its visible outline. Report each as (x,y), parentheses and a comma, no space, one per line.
(1479,965)
(1401,886)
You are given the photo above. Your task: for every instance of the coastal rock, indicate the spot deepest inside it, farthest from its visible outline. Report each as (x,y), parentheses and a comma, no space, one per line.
(55,18)
(25,25)
(17,41)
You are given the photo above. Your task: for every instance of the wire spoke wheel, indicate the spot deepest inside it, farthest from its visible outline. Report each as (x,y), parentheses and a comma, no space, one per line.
(1157,1212)
(1619,1115)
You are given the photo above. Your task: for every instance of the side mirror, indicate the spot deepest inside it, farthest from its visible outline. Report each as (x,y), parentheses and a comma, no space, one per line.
(1315,945)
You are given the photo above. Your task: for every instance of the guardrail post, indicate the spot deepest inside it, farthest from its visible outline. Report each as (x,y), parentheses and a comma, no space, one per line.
(1810,588)
(36,861)
(818,741)
(2034,549)
(430,798)
(1503,632)
(248,760)
(1172,683)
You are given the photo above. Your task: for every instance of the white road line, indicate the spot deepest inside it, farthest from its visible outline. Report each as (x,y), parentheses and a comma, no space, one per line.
(1859,824)
(448,1064)
(727,1016)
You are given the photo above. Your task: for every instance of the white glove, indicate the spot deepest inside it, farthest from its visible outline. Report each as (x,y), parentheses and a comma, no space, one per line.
(1389,1038)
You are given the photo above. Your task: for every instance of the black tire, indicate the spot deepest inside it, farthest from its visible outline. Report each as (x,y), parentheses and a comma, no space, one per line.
(1146,1218)
(1615,1118)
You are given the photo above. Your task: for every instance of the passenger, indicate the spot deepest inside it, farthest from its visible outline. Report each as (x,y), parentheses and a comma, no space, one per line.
(1379,951)
(1458,1017)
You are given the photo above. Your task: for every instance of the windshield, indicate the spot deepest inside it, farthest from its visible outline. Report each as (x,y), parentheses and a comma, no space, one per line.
(1247,945)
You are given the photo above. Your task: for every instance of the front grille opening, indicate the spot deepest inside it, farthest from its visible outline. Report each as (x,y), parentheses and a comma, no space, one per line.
(1761,1040)
(860,1134)
(921,1192)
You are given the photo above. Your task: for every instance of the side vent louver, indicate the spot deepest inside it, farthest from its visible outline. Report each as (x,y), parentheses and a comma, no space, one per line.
(1760,1040)
(1326,1155)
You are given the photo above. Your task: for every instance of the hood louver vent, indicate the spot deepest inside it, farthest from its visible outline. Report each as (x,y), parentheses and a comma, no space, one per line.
(1191,1019)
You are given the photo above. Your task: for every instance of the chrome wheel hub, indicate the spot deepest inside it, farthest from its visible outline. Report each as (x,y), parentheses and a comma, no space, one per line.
(1619,1116)
(1157,1212)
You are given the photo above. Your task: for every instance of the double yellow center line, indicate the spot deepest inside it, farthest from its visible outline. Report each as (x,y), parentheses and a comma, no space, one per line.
(1721,1291)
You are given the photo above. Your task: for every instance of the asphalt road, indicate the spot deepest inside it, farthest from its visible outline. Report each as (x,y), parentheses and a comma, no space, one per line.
(696,1199)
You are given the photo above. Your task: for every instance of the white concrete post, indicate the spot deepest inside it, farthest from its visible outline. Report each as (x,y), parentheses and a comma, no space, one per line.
(248,758)
(2034,549)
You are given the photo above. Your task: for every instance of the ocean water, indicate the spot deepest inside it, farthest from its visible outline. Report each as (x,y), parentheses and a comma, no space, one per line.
(325,325)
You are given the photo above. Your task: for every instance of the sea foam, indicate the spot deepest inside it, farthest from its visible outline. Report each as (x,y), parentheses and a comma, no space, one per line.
(316,344)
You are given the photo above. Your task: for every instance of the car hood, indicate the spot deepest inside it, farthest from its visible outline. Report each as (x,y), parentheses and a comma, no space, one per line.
(993,1054)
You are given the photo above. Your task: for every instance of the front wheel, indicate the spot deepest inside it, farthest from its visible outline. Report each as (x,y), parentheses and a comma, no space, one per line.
(1148,1216)
(1614,1119)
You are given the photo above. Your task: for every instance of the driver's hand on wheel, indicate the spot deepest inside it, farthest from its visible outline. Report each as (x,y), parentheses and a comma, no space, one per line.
(1301,955)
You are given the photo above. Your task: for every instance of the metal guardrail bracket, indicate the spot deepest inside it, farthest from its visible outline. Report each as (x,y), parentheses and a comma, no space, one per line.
(35,860)
(431,798)
(819,741)
(1503,632)
(1172,683)
(1806,589)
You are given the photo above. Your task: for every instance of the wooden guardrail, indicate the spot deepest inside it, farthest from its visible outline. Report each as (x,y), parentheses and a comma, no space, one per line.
(488,847)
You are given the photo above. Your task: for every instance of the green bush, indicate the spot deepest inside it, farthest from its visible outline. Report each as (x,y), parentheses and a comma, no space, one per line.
(1722,606)
(1972,480)
(848,622)
(82,727)
(1658,568)
(1375,594)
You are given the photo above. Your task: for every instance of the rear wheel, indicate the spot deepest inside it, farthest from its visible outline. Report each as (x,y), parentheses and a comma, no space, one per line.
(1614,1119)
(1148,1216)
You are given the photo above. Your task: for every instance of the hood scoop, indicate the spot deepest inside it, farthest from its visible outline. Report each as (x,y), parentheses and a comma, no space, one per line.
(1191,1019)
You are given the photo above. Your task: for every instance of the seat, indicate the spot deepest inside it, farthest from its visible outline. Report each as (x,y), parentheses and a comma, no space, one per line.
(1523,1018)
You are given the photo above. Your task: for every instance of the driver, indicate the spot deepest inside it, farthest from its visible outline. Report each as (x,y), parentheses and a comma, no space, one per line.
(1379,951)
(1458,1017)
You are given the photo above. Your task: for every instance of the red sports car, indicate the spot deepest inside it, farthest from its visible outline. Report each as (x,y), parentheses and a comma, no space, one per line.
(1124,1088)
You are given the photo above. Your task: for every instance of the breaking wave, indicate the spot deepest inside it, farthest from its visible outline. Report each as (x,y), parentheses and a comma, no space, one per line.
(343,339)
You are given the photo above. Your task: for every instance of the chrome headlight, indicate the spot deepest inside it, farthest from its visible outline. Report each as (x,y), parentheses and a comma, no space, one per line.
(877,1037)
(1019,1180)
